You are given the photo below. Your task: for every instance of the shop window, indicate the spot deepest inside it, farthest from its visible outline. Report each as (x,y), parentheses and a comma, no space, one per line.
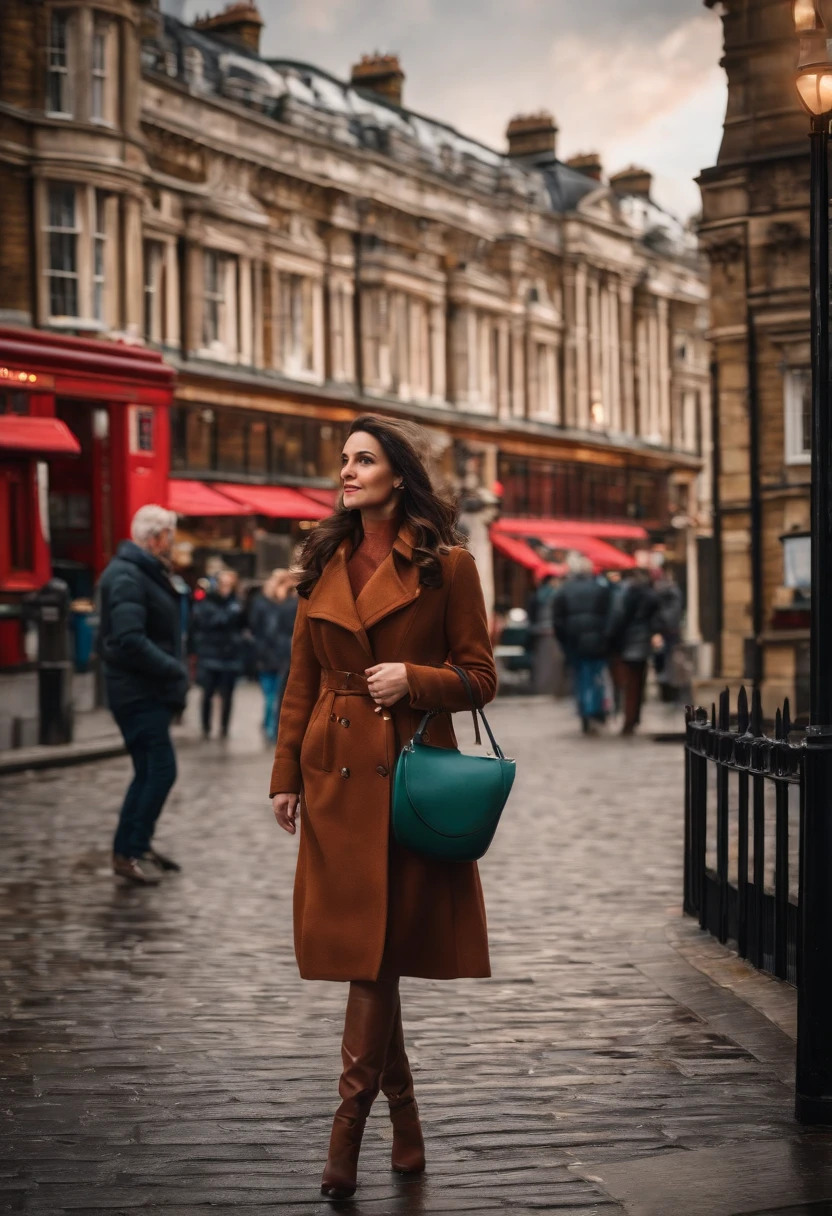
(58,90)
(62,270)
(14,401)
(257,463)
(798,406)
(231,442)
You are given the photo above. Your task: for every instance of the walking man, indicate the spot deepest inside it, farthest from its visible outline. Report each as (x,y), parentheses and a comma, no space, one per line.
(140,644)
(630,632)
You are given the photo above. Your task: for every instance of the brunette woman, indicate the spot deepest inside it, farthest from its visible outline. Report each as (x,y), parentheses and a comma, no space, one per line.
(389,598)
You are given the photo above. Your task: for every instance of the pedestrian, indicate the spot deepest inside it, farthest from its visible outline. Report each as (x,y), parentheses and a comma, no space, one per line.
(272,622)
(630,634)
(140,645)
(389,598)
(581,610)
(217,641)
(670,608)
(546,652)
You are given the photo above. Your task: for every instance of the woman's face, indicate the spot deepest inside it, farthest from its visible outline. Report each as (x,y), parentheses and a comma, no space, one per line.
(367,477)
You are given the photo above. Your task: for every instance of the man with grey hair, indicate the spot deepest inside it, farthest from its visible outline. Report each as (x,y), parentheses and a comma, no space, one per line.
(140,644)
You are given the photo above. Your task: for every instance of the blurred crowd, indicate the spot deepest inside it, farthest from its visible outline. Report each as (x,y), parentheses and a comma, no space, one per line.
(599,634)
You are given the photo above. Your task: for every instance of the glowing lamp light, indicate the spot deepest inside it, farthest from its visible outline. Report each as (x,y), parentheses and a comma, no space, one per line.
(7,373)
(814,85)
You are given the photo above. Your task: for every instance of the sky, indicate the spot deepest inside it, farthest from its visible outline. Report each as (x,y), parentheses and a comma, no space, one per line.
(636,80)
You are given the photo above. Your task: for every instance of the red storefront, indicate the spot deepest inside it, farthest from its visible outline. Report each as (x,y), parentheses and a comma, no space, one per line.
(109,457)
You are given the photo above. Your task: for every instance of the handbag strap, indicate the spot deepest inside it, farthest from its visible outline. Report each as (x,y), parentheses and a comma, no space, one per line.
(463,675)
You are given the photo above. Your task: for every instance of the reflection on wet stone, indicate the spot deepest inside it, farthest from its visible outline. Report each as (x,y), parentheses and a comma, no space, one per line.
(159,1051)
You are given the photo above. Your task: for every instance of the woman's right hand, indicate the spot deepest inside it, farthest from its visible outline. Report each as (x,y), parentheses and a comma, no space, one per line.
(286,811)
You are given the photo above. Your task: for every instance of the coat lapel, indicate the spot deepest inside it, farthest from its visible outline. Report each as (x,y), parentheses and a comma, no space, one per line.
(394,585)
(333,600)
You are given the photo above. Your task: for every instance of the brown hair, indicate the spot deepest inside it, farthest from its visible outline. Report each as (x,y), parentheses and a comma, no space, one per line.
(432,518)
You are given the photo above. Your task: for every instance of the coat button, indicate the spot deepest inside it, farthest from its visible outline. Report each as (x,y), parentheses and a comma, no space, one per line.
(345,721)
(382,771)
(345,772)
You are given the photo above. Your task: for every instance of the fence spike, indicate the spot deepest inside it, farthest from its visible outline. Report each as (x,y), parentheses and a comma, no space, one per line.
(713,716)
(725,709)
(778,725)
(787,719)
(742,711)
(756,714)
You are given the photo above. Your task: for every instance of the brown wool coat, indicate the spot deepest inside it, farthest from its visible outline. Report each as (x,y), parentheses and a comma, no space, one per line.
(359,896)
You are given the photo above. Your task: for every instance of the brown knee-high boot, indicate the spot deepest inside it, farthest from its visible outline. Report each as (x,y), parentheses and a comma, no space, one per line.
(368,1026)
(397,1084)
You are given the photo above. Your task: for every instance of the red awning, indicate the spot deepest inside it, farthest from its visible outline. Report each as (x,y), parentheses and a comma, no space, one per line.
(38,436)
(523,554)
(573,527)
(278,502)
(604,556)
(196,498)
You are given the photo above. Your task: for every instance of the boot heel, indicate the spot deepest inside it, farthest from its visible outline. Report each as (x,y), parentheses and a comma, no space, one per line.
(340,1178)
(408,1156)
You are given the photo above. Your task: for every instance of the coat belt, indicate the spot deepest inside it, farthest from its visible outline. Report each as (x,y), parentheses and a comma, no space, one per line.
(348,683)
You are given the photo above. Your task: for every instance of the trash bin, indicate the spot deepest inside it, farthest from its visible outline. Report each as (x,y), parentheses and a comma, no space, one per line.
(49,607)
(84,622)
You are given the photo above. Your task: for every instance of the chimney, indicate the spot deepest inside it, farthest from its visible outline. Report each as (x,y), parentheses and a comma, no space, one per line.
(532,135)
(588,163)
(380,74)
(238,22)
(633,181)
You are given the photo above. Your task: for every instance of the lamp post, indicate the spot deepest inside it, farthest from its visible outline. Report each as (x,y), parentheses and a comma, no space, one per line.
(813,23)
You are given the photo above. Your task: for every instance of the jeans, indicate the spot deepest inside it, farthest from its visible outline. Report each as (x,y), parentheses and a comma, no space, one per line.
(221,682)
(272,685)
(145,726)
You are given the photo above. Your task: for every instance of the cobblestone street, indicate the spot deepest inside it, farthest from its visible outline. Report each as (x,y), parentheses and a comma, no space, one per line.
(158,1051)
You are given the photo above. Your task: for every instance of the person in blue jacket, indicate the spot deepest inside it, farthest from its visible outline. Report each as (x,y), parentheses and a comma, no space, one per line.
(217,641)
(140,646)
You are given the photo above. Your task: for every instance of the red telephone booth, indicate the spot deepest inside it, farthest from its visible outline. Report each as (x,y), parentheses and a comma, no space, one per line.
(112,402)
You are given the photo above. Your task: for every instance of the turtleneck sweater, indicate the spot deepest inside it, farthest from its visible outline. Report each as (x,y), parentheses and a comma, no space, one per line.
(379,538)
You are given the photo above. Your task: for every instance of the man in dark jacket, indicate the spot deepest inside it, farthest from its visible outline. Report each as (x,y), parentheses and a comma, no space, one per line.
(631,628)
(140,644)
(217,641)
(581,611)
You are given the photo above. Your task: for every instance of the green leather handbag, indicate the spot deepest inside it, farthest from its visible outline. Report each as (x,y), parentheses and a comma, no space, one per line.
(445,804)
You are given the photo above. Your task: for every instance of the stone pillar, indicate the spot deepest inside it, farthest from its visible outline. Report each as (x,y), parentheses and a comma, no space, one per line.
(692,630)
(616,414)
(627,362)
(318,333)
(663,339)
(582,401)
(192,338)
(132,269)
(596,388)
(654,413)
(438,356)
(171,335)
(245,312)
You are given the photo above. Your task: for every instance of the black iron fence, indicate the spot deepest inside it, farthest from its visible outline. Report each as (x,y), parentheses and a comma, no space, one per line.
(743,831)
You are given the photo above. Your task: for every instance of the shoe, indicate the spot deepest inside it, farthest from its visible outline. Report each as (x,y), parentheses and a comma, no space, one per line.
(368,1027)
(130,868)
(163,863)
(408,1156)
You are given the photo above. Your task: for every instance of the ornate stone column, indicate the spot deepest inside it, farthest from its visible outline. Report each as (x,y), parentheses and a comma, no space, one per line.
(625,302)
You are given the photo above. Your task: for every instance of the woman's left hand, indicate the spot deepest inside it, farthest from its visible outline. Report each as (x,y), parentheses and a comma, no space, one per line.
(387,683)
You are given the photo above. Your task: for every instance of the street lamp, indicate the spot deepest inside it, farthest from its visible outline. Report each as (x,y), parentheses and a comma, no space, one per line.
(813,1105)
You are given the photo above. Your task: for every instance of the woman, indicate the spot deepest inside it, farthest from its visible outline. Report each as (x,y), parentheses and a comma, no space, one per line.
(217,641)
(388,599)
(272,621)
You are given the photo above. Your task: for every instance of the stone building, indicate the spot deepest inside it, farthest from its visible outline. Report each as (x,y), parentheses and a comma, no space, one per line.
(300,249)
(755,231)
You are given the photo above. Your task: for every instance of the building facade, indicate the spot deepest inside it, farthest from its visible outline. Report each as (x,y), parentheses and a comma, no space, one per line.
(755,231)
(300,249)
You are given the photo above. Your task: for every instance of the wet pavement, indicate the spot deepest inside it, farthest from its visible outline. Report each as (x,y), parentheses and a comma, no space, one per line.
(159,1053)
